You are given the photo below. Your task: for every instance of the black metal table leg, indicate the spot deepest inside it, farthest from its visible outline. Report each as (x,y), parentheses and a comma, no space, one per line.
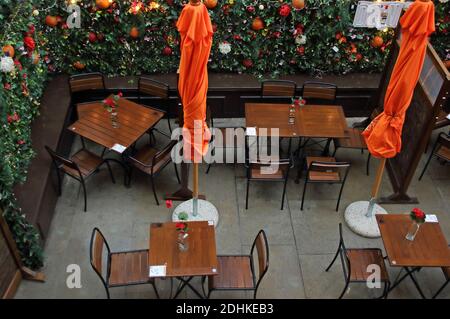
(409,273)
(186,282)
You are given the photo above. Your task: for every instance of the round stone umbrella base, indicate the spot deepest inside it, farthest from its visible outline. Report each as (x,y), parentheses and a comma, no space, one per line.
(358,222)
(206,212)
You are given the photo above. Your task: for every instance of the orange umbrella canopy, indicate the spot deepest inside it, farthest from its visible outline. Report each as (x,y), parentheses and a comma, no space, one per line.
(196,33)
(383,135)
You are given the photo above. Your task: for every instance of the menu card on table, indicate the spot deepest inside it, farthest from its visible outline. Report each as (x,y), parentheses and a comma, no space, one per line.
(157,271)
(251,131)
(119,148)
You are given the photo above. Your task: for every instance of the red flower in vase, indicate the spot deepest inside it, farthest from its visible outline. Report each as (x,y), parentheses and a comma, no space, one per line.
(169,203)
(418,215)
(182,227)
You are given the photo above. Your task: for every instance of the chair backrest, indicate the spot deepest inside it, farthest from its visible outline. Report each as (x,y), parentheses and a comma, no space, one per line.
(86,82)
(151,87)
(345,261)
(319,92)
(96,255)
(59,161)
(342,168)
(161,155)
(282,88)
(262,252)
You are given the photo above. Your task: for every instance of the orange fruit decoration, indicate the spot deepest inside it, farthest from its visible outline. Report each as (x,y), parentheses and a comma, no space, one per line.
(210,4)
(51,21)
(377,41)
(78,65)
(134,32)
(9,49)
(103,4)
(35,57)
(298,4)
(257,24)
(447,64)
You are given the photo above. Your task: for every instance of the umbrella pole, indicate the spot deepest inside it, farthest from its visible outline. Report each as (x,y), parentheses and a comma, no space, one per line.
(195,192)
(376,187)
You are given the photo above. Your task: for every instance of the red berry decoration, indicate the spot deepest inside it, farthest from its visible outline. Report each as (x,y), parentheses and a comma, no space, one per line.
(92,37)
(167,51)
(247,63)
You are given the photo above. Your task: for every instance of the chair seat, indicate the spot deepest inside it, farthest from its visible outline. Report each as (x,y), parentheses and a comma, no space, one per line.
(442,120)
(129,268)
(354,140)
(323,176)
(361,258)
(234,272)
(145,155)
(257,173)
(87,162)
(443,152)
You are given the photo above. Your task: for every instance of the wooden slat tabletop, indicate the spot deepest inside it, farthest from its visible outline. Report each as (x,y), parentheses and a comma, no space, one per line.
(134,120)
(199,260)
(429,248)
(321,121)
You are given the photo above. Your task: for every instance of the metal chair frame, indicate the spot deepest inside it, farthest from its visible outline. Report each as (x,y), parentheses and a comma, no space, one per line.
(442,140)
(108,272)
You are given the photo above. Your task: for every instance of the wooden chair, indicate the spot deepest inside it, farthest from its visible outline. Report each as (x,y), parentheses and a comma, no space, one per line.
(325,170)
(355,263)
(319,92)
(355,141)
(86,82)
(80,166)
(441,150)
(316,93)
(152,161)
(446,271)
(280,88)
(125,268)
(238,272)
(158,90)
(225,132)
(255,172)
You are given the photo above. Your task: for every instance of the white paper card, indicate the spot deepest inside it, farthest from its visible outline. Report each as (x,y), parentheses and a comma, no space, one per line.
(157,271)
(119,148)
(448,116)
(431,219)
(210,223)
(251,131)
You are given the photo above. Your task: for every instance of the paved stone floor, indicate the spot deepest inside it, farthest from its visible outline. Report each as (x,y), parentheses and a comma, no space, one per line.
(302,243)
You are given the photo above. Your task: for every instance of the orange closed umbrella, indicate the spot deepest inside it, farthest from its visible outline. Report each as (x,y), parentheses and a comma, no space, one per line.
(383,135)
(196,33)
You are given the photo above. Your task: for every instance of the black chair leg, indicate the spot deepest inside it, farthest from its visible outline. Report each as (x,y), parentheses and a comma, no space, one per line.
(344,291)
(334,258)
(440,289)
(284,193)
(426,166)
(339,198)
(368,164)
(58,174)
(246,196)
(110,172)
(304,192)
(154,190)
(176,173)
(85,195)
(208,169)
(107,293)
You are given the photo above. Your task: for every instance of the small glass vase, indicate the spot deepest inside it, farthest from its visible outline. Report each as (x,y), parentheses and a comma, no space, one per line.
(182,242)
(292,114)
(412,231)
(114,120)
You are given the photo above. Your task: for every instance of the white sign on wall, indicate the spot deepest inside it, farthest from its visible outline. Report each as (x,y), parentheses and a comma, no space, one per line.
(379,14)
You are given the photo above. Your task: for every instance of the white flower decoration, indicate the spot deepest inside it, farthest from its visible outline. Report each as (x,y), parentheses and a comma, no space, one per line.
(224,47)
(261,7)
(7,64)
(300,40)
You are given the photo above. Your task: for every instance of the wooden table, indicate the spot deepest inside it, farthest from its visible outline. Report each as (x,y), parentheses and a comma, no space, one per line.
(134,121)
(311,121)
(199,260)
(429,248)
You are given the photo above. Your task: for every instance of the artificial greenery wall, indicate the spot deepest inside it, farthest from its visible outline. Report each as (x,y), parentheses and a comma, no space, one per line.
(132,37)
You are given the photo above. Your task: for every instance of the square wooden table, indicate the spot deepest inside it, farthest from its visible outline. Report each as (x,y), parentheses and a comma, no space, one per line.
(134,121)
(199,260)
(321,121)
(429,248)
